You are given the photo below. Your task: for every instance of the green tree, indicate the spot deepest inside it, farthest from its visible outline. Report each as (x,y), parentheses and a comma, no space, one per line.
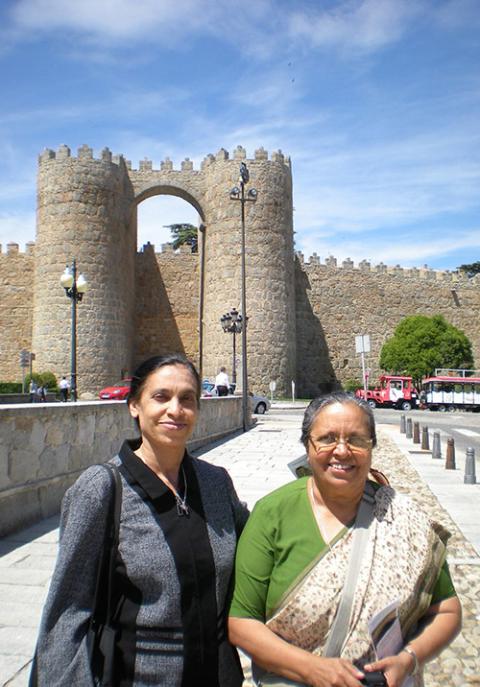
(184,233)
(420,344)
(470,269)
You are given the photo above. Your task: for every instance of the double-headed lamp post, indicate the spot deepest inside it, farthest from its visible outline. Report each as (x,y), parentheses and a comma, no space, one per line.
(75,286)
(238,193)
(232,323)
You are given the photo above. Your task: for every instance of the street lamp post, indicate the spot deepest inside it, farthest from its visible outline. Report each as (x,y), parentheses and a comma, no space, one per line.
(238,193)
(74,287)
(232,322)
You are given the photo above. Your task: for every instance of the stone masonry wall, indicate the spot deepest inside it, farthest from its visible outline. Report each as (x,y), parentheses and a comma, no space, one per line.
(167,300)
(270,298)
(302,316)
(334,304)
(16,306)
(44,447)
(84,212)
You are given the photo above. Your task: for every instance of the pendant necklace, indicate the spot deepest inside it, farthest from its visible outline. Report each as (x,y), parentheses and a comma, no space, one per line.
(182,507)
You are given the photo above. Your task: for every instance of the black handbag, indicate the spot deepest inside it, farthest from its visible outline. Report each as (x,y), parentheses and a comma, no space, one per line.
(101,634)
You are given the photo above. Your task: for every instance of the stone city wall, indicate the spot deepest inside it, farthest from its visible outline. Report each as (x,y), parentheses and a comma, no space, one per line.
(167,302)
(302,316)
(336,303)
(16,307)
(44,447)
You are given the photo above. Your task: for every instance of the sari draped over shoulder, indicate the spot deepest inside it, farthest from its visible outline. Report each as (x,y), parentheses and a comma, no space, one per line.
(401,562)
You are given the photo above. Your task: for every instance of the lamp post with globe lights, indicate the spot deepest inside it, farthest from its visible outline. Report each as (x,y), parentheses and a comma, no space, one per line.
(75,286)
(232,323)
(238,193)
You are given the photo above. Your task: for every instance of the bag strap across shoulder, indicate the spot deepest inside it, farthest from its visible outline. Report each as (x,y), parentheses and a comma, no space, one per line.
(104,583)
(361,535)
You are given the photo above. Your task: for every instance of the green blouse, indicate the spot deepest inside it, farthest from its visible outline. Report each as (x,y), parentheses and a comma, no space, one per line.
(280,540)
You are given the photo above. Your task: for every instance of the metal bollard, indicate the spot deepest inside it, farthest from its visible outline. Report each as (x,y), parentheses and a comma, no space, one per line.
(470,477)
(437,446)
(416,432)
(402,424)
(425,439)
(408,431)
(450,459)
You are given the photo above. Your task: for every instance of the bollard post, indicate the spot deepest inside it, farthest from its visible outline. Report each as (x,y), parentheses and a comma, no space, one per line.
(425,439)
(470,477)
(408,431)
(450,459)
(416,432)
(402,424)
(437,446)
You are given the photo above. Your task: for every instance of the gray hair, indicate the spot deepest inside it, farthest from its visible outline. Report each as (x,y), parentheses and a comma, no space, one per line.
(342,397)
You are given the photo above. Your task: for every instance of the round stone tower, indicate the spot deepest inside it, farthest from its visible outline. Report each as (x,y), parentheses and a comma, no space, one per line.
(270,286)
(83,213)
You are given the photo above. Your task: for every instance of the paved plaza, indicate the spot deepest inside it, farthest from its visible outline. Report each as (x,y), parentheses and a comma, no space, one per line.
(257,462)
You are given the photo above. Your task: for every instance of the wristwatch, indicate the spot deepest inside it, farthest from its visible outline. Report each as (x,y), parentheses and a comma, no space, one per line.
(416,664)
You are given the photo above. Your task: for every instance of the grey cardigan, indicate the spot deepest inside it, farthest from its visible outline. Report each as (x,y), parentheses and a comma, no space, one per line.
(155,618)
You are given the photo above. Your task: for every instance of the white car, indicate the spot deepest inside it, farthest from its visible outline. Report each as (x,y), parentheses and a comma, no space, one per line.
(259,404)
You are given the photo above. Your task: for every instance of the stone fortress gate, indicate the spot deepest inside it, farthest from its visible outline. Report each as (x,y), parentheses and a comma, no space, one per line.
(303,313)
(87,210)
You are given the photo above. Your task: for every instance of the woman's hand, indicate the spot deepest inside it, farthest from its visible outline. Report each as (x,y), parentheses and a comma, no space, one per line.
(275,655)
(396,668)
(333,672)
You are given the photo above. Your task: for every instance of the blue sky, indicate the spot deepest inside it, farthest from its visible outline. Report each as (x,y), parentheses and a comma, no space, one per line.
(376,101)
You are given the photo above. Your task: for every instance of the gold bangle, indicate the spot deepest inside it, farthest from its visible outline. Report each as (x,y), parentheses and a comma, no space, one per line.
(416,664)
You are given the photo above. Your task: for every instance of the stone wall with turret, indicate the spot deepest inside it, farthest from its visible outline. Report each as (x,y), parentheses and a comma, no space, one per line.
(303,315)
(336,303)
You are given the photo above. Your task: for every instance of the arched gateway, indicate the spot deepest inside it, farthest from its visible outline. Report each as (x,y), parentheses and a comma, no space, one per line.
(87,210)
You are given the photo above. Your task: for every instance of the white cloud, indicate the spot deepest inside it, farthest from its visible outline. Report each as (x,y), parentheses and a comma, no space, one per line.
(354,25)
(380,247)
(112,22)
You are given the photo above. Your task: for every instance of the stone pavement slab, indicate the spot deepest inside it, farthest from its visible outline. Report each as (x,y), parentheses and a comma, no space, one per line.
(257,462)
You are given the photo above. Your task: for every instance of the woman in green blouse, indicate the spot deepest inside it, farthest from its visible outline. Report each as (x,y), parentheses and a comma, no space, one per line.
(293,555)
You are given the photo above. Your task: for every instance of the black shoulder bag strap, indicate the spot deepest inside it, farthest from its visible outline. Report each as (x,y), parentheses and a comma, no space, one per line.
(101,633)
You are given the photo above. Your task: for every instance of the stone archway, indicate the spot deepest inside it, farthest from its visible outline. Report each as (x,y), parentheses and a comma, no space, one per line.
(169,290)
(86,210)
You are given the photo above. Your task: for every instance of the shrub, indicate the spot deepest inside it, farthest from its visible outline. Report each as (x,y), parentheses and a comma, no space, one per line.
(10,387)
(351,385)
(46,379)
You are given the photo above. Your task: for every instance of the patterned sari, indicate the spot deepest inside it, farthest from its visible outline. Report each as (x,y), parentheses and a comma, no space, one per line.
(402,561)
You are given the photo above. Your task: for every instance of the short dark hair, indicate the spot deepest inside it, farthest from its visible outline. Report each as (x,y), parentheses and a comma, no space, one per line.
(145,369)
(342,397)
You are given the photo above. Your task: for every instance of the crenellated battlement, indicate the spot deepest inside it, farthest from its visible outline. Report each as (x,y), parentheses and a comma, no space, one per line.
(13,249)
(85,153)
(166,249)
(408,273)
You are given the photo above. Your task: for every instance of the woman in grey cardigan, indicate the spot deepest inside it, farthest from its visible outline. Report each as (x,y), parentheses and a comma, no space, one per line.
(180,519)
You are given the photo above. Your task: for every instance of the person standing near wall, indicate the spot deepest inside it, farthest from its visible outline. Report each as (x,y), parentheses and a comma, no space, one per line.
(64,387)
(221,382)
(32,390)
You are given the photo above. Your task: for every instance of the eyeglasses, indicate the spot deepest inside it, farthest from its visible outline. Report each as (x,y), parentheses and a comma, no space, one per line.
(328,442)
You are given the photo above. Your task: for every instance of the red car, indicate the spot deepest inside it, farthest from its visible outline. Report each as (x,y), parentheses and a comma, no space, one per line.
(117,392)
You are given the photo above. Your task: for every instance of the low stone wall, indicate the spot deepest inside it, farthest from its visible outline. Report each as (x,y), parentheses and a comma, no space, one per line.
(44,447)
